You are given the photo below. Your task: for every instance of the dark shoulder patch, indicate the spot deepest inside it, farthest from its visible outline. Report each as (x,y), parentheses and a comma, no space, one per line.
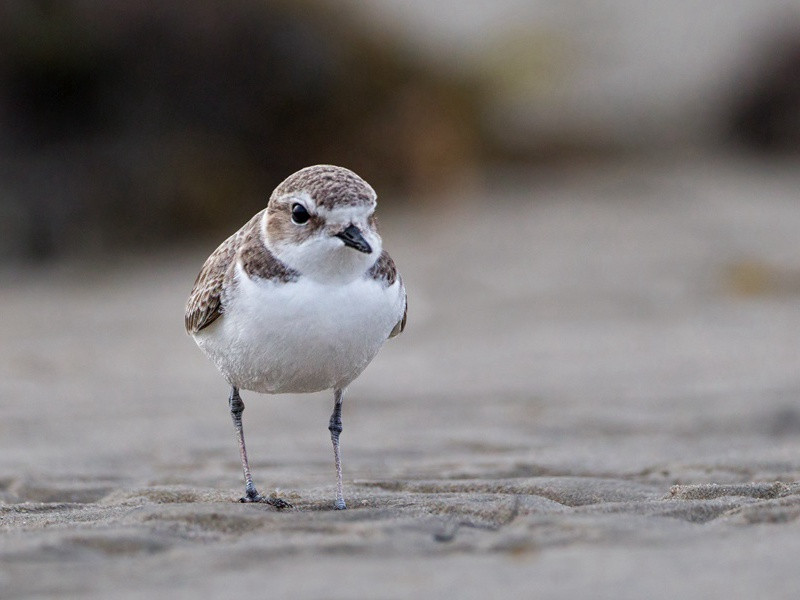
(216,278)
(383,270)
(256,258)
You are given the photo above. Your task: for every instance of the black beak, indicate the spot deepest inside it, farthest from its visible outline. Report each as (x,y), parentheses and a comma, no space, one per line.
(352,237)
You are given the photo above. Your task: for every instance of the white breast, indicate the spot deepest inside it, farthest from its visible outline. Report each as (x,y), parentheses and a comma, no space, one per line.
(302,336)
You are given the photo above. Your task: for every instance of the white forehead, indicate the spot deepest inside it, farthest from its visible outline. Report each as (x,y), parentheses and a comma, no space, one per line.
(347,213)
(303,198)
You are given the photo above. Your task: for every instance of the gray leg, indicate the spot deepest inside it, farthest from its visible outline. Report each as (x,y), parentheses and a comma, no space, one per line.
(250,492)
(335,427)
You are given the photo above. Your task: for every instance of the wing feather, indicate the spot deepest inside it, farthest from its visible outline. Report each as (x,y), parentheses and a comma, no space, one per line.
(246,247)
(385,271)
(205,301)
(401,324)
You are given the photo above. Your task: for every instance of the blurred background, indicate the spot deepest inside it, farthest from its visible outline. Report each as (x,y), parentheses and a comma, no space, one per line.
(128,125)
(595,207)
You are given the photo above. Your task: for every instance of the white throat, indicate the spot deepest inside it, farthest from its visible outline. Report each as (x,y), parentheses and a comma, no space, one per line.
(325,258)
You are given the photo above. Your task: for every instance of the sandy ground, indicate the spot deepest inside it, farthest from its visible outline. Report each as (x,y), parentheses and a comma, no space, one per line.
(597,396)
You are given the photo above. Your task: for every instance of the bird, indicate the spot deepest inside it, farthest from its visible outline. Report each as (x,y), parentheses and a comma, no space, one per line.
(299,300)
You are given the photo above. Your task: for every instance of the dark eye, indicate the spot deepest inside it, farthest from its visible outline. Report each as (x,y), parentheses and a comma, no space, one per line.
(300,214)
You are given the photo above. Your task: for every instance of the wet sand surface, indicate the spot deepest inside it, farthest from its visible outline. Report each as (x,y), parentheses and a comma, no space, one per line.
(597,395)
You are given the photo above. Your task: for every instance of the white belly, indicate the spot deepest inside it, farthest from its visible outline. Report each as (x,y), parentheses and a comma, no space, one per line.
(302,336)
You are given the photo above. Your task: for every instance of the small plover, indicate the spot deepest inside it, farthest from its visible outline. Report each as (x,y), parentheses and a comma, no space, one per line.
(300,299)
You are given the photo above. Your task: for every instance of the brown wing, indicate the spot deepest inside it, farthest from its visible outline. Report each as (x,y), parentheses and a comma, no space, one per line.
(205,302)
(384,271)
(401,324)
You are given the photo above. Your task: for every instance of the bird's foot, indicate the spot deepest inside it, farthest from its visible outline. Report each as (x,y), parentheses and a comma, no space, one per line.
(251,495)
(340,505)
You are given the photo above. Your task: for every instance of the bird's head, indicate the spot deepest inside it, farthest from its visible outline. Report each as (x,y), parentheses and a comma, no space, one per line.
(321,222)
